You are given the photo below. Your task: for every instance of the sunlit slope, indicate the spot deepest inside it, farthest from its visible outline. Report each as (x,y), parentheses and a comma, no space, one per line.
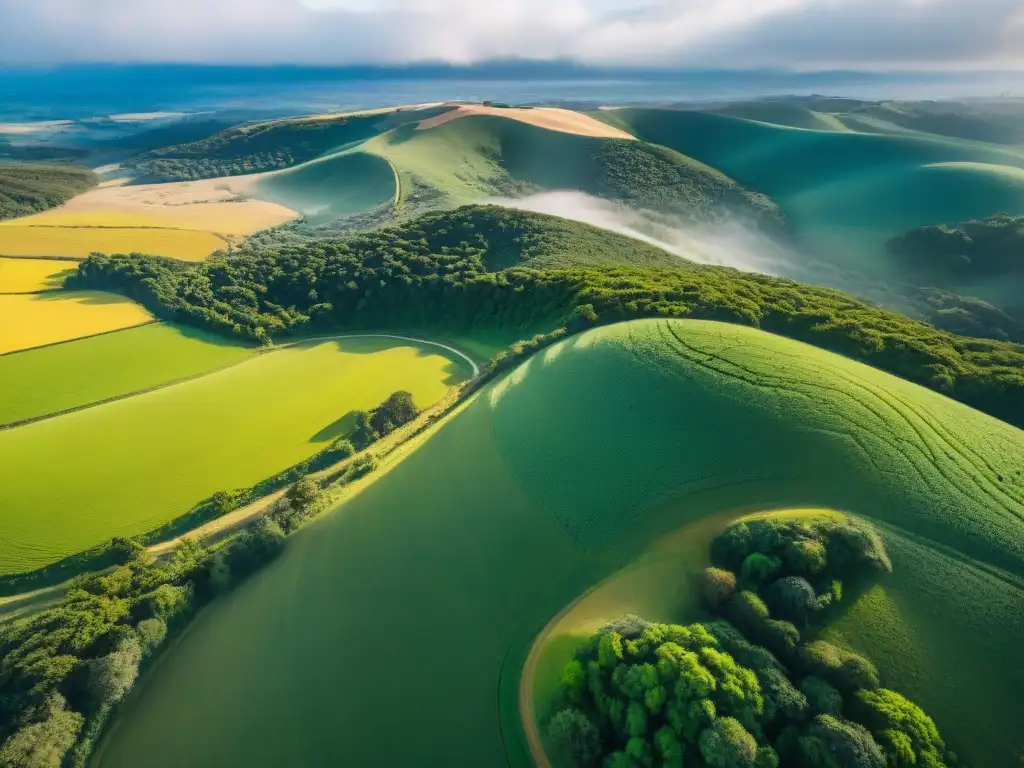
(844,193)
(129,466)
(32,275)
(783,113)
(415,601)
(325,189)
(38,382)
(476,156)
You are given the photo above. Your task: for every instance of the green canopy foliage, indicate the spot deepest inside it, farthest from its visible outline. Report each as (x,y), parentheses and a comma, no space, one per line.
(26,188)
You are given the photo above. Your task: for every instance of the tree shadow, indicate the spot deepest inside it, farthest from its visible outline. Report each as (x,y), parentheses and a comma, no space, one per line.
(89,298)
(337,428)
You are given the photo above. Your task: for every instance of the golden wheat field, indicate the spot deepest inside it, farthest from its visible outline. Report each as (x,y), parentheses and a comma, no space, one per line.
(31,275)
(79,242)
(34,320)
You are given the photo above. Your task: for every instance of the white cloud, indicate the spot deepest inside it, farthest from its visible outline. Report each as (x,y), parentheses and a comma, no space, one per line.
(802,34)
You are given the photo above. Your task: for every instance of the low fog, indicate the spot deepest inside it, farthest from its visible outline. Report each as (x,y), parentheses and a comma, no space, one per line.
(727,242)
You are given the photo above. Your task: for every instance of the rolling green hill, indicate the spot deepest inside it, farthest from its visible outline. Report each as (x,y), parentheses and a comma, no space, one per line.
(844,194)
(419,597)
(265,146)
(463,160)
(789,113)
(27,189)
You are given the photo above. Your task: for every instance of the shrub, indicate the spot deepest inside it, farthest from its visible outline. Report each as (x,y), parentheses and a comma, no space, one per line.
(844,669)
(792,598)
(574,737)
(822,698)
(758,569)
(152,633)
(747,611)
(717,586)
(835,743)
(907,735)
(727,744)
(43,743)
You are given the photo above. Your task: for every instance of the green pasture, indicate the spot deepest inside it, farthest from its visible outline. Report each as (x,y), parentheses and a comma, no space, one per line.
(48,380)
(329,187)
(413,605)
(129,466)
(783,113)
(844,193)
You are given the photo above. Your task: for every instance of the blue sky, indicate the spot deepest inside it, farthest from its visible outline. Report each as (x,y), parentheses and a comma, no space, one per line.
(795,34)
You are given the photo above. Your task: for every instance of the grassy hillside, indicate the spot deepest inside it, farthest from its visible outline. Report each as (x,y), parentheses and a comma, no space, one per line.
(554,478)
(463,160)
(792,114)
(38,382)
(265,146)
(844,193)
(129,466)
(338,185)
(26,189)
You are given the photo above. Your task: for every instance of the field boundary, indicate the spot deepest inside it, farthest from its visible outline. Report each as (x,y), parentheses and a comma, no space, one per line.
(77,338)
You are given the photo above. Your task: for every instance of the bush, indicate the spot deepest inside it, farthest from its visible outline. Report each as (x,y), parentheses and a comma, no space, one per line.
(822,698)
(758,569)
(835,743)
(727,744)
(717,586)
(43,743)
(844,669)
(792,598)
(748,612)
(574,738)
(907,735)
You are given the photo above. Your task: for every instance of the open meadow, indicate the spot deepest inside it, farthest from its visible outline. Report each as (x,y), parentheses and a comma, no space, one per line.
(79,242)
(129,466)
(37,319)
(556,477)
(39,382)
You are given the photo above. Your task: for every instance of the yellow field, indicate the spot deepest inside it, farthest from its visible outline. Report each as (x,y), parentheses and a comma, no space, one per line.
(79,242)
(31,275)
(33,320)
(222,217)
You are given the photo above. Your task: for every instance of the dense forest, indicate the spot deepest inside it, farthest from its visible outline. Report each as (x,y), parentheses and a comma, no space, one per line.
(28,189)
(969,250)
(435,273)
(745,690)
(258,147)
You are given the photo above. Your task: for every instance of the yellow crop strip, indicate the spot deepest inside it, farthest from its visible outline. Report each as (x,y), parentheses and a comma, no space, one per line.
(79,242)
(34,320)
(31,275)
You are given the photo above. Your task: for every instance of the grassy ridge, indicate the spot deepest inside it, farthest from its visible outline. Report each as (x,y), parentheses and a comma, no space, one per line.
(265,146)
(323,190)
(26,189)
(38,382)
(129,466)
(553,478)
(460,161)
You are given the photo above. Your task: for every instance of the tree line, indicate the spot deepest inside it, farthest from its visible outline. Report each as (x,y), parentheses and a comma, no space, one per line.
(430,273)
(26,188)
(743,690)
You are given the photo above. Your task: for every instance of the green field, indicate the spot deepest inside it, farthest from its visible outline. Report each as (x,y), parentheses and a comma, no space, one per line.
(416,602)
(129,466)
(844,193)
(324,189)
(474,157)
(783,113)
(38,382)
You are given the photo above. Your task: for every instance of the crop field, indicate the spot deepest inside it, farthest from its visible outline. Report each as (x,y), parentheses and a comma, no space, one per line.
(38,382)
(844,193)
(129,466)
(79,242)
(32,275)
(555,478)
(34,320)
(330,187)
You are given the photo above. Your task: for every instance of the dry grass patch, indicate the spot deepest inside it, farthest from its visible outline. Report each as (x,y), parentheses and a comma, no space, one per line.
(79,242)
(552,118)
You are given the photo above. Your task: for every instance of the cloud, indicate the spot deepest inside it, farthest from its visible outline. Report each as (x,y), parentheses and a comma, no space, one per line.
(801,34)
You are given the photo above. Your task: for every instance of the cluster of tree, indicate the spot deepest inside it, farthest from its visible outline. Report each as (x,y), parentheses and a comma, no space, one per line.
(645,695)
(252,148)
(950,254)
(970,316)
(26,189)
(437,271)
(381,421)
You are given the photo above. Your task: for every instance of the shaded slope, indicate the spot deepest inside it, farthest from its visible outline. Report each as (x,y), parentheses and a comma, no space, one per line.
(27,189)
(416,601)
(785,113)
